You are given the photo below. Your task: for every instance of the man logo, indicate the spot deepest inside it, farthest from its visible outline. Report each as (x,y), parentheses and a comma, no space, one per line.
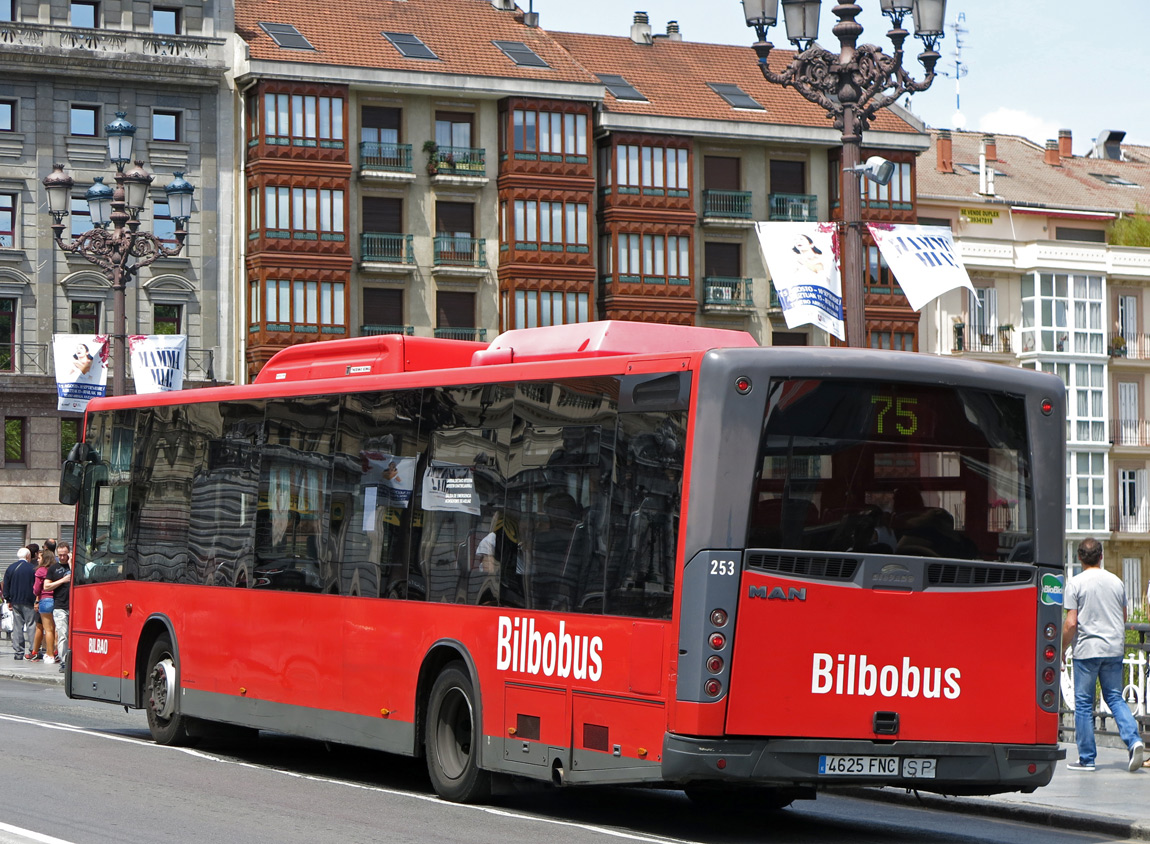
(776,593)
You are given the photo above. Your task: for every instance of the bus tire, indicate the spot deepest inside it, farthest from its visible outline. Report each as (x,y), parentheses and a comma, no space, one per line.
(161,696)
(452,737)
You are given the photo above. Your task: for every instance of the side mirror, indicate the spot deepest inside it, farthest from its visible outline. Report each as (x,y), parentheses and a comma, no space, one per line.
(81,452)
(71,479)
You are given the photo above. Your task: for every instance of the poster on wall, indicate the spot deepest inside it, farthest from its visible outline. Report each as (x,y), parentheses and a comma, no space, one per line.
(803,260)
(924,260)
(158,361)
(81,364)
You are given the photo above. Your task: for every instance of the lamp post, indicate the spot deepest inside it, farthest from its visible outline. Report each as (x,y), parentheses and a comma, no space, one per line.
(852,87)
(124,250)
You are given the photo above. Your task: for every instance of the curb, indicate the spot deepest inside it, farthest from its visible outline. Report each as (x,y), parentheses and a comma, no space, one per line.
(1030,813)
(55,678)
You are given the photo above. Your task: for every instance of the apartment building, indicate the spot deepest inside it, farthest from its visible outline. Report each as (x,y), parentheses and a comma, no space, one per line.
(1051,293)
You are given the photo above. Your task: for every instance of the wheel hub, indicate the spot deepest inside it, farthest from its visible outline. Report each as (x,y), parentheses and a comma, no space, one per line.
(162,689)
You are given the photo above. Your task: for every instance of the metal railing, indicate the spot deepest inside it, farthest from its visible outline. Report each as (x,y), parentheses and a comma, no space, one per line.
(393,158)
(727,203)
(373,330)
(1130,432)
(201,365)
(793,207)
(386,248)
(460,161)
(455,251)
(25,359)
(461,333)
(1135,347)
(720,291)
(1135,665)
(1129,522)
(973,338)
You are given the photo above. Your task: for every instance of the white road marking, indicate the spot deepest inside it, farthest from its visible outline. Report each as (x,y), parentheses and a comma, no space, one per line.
(428,798)
(29,835)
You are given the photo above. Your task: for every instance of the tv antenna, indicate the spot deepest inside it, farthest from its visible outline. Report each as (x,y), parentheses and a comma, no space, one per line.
(958,67)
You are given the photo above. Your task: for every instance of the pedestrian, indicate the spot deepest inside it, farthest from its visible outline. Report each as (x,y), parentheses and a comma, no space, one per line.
(19,579)
(1095,625)
(59,580)
(46,632)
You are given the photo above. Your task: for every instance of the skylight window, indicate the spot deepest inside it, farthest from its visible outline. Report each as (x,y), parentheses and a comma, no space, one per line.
(973,168)
(735,96)
(620,88)
(287,36)
(409,45)
(1111,179)
(520,53)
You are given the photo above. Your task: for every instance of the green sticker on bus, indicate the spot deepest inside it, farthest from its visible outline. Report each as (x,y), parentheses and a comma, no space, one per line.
(1051,593)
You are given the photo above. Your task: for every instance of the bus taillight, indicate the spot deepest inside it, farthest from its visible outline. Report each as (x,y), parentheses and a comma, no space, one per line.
(713,688)
(1049,653)
(1048,698)
(719,617)
(715,664)
(1050,631)
(718,640)
(1048,675)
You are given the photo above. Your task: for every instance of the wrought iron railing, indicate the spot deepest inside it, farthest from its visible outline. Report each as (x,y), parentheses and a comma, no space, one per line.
(386,248)
(974,338)
(730,292)
(793,207)
(372,330)
(25,359)
(460,161)
(1134,346)
(462,333)
(455,251)
(1130,432)
(727,203)
(394,158)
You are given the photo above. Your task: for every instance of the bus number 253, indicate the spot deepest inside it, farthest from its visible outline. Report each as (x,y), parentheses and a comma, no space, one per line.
(723,567)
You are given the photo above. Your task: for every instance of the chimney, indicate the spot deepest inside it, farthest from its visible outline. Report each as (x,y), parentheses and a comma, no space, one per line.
(1065,143)
(987,155)
(531,19)
(990,147)
(945,152)
(641,29)
(1051,156)
(1108,145)
(504,5)
(673,33)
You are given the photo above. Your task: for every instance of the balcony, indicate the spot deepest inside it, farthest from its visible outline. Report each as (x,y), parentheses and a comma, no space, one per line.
(25,359)
(1130,522)
(1130,432)
(479,334)
(793,207)
(461,252)
(729,206)
(375,330)
(386,248)
(974,338)
(1132,347)
(727,294)
(458,165)
(387,162)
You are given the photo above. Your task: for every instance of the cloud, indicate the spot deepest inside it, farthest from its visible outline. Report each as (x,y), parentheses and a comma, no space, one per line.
(1012,121)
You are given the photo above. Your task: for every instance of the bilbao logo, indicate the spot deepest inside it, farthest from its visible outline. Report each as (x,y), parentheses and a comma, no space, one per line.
(522,648)
(855,674)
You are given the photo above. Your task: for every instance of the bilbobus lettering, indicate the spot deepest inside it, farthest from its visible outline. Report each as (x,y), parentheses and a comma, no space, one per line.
(520,647)
(906,680)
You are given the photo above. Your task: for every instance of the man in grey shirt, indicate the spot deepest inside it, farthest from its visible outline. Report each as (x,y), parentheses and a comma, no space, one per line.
(1095,624)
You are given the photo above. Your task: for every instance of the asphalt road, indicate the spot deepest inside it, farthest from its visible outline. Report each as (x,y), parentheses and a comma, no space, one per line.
(81,772)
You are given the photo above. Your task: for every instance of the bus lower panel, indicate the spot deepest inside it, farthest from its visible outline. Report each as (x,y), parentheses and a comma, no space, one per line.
(98,687)
(962,768)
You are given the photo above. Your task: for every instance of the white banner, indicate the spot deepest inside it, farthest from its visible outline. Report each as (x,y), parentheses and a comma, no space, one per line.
(450,487)
(81,362)
(158,362)
(923,259)
(803,260)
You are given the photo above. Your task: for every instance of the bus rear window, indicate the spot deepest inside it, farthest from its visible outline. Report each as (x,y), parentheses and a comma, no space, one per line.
(893,468)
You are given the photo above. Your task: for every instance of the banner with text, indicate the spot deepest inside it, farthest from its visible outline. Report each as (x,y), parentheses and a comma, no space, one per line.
(923,259)
(81,363)
(803,260)
(158,362)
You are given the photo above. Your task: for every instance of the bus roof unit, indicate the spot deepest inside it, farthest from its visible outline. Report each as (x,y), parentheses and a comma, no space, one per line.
(376,355)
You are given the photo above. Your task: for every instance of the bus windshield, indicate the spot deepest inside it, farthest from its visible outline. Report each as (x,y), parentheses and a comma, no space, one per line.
(893,468)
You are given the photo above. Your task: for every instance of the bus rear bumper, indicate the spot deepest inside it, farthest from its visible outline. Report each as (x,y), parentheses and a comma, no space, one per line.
(958,767)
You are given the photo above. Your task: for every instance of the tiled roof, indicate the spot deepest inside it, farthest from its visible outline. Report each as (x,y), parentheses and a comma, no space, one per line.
(1022,175)
(673,76)
(348,34)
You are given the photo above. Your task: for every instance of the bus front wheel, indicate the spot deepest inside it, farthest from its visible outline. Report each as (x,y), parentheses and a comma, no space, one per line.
(161,692)
(452,738)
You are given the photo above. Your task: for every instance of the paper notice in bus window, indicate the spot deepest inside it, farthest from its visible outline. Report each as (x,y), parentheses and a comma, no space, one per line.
(450,488)
(393,477)
(369,509)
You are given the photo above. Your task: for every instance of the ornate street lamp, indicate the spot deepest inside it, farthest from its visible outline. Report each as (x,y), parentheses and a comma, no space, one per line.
(852,87)
(122,251)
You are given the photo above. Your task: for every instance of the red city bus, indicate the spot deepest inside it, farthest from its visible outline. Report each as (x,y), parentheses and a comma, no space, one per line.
(595,553)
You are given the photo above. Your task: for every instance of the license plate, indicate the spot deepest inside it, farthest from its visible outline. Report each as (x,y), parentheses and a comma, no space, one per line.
(919,768)
(859,766)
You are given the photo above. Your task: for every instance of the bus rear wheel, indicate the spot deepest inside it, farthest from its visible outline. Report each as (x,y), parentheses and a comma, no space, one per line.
(161,693)
(452,738)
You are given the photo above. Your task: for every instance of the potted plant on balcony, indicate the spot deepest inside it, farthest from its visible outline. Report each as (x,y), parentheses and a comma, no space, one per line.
(432,150)
(1117,346)
(1004,334)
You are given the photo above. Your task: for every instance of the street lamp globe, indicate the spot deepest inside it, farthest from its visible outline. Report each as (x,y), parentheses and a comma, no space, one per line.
(99,198)
(120,134)
(179,192)
(929,20)
(136,182)
(802,19)
(59,187)
(761,14)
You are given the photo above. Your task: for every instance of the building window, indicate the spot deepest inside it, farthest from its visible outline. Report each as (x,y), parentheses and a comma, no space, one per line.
(7,10)
(69,436)
(982,310)
(534,308)
(85,121)
(379,125)
(879,278)
(1132,580)
(1128,317)
(1085,491)
(7,335)
(305,306)
(165,21)
(382,308)
(652,170)
(166,319)
(902,341)
(897,194)
(1087,415)
(15,435)
(80,215)
(455,310)
(84,14)
(1062,313)
(163,226)
(1082,235)
(550,135)
(7,220)
(85,317)
(453,129)
(303,120)
(630,249)
(166,125)
(551,226)
(7,116)
(304,213)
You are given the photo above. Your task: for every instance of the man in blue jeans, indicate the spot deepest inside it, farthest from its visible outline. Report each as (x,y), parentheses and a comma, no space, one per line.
(1095,603)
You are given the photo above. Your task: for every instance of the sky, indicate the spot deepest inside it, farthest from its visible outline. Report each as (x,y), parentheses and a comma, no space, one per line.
(1032,68)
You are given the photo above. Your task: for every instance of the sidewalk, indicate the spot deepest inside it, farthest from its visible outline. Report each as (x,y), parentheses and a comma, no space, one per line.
(1107,801)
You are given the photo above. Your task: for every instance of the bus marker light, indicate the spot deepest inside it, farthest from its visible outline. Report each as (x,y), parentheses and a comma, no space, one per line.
(1032,768)
(243,690)
(718,640)
(713,687)
(385,712)
(742,385)
(642,751)
(1048,675)
(511,731)
(718,617)
(1049,653)
(721,764)
(715,664)
(1047,407)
